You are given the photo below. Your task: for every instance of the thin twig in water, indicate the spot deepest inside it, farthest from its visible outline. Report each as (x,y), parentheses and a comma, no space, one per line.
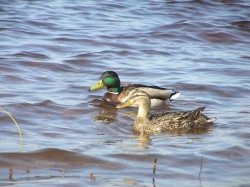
(155,165)
(20,133)
(91,176)
(11,173)
(200,169)
(63,173)
(153,182)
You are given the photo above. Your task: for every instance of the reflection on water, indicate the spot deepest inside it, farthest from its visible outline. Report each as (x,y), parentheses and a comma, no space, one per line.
(51,52)
(108,113)
(106,118)
(144,141)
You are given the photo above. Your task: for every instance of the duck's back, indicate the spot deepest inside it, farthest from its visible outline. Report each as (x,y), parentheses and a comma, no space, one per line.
(154,92)
(180,120)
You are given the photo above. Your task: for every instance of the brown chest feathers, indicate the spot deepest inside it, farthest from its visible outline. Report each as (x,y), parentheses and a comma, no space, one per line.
(110,97)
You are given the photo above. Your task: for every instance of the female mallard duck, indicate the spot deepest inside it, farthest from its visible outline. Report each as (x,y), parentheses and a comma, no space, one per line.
(163,121)
(117,94)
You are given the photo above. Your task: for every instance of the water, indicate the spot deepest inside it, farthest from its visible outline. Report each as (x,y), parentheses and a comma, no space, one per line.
(52,52)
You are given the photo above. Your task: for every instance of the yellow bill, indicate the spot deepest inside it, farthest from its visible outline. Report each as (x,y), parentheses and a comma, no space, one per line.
(98,85)
(125,104)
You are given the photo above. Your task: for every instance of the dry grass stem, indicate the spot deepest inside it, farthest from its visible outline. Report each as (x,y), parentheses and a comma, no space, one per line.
(20,133)
(10,175)
(91,176)
(63,173)
(153,182)
(155,165)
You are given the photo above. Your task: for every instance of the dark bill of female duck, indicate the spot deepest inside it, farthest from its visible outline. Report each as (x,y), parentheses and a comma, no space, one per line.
(118,94)
(160,122)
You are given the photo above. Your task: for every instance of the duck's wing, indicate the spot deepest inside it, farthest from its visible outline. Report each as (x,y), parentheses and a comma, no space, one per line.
(155,92)
(181,120)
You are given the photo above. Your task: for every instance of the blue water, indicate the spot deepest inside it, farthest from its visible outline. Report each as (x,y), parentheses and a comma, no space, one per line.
(52,52)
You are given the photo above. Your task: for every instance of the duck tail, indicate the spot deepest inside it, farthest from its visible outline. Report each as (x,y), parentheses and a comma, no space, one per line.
(201,108)
(174,95)
(210,120)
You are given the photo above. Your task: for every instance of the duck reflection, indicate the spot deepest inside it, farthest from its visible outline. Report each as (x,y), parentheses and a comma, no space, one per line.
(106,117)
(107,111)
(144,141)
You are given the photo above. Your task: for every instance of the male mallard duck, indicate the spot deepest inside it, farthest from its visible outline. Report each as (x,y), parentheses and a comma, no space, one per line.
(163,121)
(117,94)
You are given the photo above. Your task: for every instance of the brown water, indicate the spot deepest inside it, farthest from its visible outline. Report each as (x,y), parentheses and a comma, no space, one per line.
(50,53)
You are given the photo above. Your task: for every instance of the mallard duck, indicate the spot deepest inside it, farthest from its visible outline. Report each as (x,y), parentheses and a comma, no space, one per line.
(117,94)
(163,121)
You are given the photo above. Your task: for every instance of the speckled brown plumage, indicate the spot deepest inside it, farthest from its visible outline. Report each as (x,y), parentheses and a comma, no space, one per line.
(163,121)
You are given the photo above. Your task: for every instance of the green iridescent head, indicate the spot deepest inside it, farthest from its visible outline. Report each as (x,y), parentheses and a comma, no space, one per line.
(109,79)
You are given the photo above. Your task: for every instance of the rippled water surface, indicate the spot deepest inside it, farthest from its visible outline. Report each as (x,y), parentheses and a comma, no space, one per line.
(52,52)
